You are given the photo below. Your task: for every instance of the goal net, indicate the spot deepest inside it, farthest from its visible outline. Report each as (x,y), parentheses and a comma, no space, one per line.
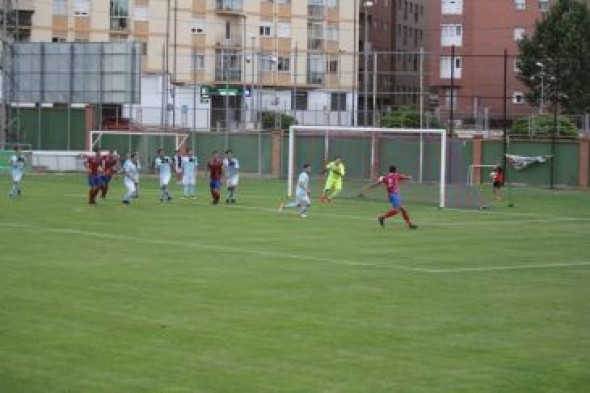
(437,164)
(144,143)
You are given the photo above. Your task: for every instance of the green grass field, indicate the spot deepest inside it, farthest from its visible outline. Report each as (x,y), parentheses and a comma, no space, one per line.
(189,297)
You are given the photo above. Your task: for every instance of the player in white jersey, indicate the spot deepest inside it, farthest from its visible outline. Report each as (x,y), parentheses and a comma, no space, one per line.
(302,193)
(231,167)
(164,170)
(17,169)
(138,164)
(189,169)
(130,177)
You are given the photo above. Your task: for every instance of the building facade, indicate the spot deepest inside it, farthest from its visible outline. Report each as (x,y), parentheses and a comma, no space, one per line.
(467,40)
(392,32)
(249,56)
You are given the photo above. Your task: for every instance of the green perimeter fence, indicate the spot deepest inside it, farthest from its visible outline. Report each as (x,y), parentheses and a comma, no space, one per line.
(64,130)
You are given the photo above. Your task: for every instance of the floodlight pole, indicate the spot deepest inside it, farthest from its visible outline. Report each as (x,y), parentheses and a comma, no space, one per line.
(366,6)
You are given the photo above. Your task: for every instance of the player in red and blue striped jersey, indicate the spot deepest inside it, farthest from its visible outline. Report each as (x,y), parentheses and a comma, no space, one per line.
(110,163)
(94,170)
(391,181)
(215,168)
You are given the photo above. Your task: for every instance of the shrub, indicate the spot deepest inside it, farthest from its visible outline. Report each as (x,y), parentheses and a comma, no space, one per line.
(543,125)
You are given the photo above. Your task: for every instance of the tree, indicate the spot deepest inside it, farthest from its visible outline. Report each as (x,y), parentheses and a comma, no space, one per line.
(543,126)
(407,116)
(554,62)
(270,120)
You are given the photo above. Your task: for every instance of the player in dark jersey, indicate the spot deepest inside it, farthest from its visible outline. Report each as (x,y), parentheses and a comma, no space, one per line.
(391,181)
(497,182)
(215,168)
(94,170)
(177,161)
(110,163)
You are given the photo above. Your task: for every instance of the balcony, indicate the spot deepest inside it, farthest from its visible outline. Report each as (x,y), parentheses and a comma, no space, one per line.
(316,12)
(120,23)
(229,7)
(234,41)
(315,44)
(18,15)
(315,78)
(228,66)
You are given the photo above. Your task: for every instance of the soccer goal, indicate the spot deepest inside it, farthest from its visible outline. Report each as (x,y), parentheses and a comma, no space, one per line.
(145,143)
(437,164)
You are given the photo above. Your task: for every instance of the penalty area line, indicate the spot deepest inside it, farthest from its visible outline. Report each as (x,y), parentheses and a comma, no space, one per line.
(273,254)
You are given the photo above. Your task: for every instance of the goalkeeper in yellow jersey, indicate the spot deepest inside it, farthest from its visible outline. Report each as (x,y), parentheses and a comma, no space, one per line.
(336,172)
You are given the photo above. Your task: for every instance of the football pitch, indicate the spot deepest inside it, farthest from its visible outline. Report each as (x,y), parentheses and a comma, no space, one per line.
(185,297)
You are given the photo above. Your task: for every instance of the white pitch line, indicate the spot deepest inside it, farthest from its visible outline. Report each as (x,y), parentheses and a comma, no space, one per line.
(237,250)
(499,268)
(428,223)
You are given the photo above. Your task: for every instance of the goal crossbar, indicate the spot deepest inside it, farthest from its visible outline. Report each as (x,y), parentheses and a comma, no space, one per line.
(180,138)
(293,130)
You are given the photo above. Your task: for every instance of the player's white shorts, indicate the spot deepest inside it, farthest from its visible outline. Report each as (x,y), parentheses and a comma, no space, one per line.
(302,198)
(17,176)
(233,181)
(188,180)
(129,185)
(164,180)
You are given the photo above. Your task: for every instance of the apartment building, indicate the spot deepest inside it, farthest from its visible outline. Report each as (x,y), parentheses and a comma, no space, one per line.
(467,40)
(248,55)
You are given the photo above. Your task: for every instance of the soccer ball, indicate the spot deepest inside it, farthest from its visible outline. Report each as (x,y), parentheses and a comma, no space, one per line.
(493,175)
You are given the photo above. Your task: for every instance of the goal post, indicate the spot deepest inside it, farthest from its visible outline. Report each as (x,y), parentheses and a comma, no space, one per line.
(371,133)
(143,142)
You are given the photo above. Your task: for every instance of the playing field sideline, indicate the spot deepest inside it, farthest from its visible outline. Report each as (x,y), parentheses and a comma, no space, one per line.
(189,297)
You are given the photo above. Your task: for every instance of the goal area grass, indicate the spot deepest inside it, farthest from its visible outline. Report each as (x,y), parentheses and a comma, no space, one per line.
(187,297)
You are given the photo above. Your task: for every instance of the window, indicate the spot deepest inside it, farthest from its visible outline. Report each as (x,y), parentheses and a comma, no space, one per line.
(141,12)
(119,14)
(299,101)
(451,35)
(543,5)
(58,39)
(198,60)
(82,7)
(452,7)
(446,71)
(198,26)
(267,62)
(284,30)
(332,66)
(265,30)
(60,7)
(519,33)
(518,98)
(520,5)
(332,33)
(284,63)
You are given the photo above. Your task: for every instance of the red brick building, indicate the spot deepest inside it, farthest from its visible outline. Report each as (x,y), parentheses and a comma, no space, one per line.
(473,79)
(395,31)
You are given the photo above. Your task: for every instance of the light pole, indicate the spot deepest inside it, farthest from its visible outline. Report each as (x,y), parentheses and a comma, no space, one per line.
(542,74)
(366,6)
(251,60)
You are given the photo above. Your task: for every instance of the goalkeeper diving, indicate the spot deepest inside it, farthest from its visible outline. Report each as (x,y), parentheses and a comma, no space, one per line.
(336,171)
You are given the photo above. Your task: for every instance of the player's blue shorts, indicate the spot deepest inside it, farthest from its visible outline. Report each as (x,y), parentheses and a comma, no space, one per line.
(215,184)
(105,178)
(94,180)
(396,200)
